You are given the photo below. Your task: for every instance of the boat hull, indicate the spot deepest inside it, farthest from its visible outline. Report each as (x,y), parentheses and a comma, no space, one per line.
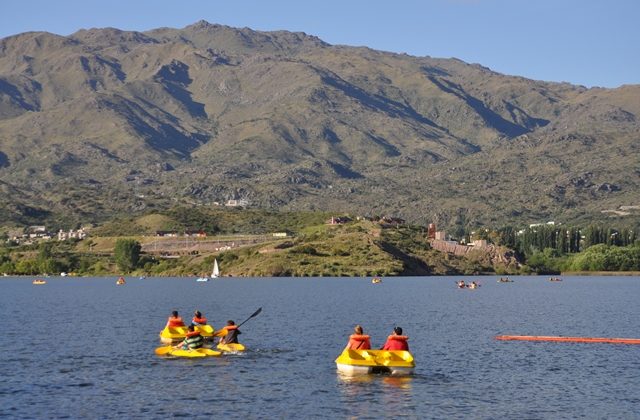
(197,353)
(364,362)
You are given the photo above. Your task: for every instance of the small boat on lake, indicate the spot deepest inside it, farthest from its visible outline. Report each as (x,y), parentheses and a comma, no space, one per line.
(376,280)
(358,362)
(215,273)
(120,281)
(39,282)
(505,280)
(555,279)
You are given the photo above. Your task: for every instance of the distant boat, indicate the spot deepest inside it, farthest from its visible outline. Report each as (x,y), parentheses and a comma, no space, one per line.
(215,273)
(63,274)
(39,281)
(120,281)
(376,280)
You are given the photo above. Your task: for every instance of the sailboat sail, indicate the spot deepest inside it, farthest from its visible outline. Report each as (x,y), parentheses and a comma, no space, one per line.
(216,270)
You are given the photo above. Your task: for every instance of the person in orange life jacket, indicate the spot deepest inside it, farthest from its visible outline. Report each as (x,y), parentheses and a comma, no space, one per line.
(358,340)
(174,320)
(396,341)
(193,340)
(230,332)
(198,319)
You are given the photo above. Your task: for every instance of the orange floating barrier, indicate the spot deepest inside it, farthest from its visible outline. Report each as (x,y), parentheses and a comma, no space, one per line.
(568,339)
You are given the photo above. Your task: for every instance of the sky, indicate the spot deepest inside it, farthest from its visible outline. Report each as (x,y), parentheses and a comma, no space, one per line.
(584,42)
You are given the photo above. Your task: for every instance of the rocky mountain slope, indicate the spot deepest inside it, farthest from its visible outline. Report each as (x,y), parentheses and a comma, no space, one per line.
(104,122)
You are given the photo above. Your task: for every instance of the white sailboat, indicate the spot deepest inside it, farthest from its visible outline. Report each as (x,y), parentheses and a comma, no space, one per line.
(214,274)
(216,271)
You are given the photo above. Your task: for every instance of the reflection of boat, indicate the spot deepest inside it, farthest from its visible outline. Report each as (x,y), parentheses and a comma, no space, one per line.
(175,334)
(397,362)
(215,273)
(39,281)
(120,281)
(376,280)
(231,347)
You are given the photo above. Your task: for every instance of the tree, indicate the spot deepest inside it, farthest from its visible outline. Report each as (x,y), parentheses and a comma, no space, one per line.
(127,254)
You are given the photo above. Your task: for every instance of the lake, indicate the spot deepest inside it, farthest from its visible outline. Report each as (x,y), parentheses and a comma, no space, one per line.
(84,348)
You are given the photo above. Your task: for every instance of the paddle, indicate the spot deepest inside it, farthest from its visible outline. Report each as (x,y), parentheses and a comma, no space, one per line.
(161,351)
(252,315)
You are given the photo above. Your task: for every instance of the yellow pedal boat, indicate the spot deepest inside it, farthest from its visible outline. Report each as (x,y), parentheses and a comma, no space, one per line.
(396,362)
(175,334)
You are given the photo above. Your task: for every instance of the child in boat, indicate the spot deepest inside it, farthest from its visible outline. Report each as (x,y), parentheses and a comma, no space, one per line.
(396,341)
(358,340)
(193,340)
(229,333)
(198,319)
(174,320)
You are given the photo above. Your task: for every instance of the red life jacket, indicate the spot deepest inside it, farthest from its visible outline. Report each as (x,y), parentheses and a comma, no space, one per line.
(396,342)
(201,321)
(175,322)
(359,342)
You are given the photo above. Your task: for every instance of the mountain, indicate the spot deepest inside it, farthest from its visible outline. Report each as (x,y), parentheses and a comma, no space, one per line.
(105,122)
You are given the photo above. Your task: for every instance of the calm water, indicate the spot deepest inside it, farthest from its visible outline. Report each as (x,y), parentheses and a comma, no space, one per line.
(83,348)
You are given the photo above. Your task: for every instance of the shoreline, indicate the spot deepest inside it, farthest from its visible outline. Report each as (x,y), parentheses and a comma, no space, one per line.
(600,273)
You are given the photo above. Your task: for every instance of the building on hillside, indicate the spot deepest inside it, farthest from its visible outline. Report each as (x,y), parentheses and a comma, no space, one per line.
(72,234)
(431,232)
(440,236)
(195,233)
(167,233)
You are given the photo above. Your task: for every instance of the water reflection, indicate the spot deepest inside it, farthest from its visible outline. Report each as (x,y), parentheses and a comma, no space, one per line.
(391,394)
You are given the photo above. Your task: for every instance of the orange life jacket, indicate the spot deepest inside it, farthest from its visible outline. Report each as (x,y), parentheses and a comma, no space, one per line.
(175,322)
(359,342)
(201,321)
(193,333)
(396,342)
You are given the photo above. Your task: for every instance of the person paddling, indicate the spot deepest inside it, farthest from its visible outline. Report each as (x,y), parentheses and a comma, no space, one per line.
(193,340)
(198,319)
(396,341)
(229,334)
(358,340)
(174,320)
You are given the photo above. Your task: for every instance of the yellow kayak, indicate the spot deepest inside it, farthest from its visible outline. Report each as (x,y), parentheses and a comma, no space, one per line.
(201,352)
(231,347)
(397,362)
(174,334)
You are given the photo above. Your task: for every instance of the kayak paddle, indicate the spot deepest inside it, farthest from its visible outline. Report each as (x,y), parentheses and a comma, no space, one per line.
(161,351)
(252,315)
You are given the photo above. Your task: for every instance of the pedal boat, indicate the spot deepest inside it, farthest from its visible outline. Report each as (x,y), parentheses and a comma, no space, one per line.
(172,335)
(361,362)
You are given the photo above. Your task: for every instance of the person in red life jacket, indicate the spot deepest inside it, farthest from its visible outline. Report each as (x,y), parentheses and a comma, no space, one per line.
(396,341)
(229,334)
(193,340)
(198,319)
(174,320)
(358,340)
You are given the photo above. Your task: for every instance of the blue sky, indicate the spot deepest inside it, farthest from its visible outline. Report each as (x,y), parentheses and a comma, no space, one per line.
(588,42)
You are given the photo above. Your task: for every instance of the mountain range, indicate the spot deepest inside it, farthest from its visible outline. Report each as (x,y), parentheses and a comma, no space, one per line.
(106,122)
